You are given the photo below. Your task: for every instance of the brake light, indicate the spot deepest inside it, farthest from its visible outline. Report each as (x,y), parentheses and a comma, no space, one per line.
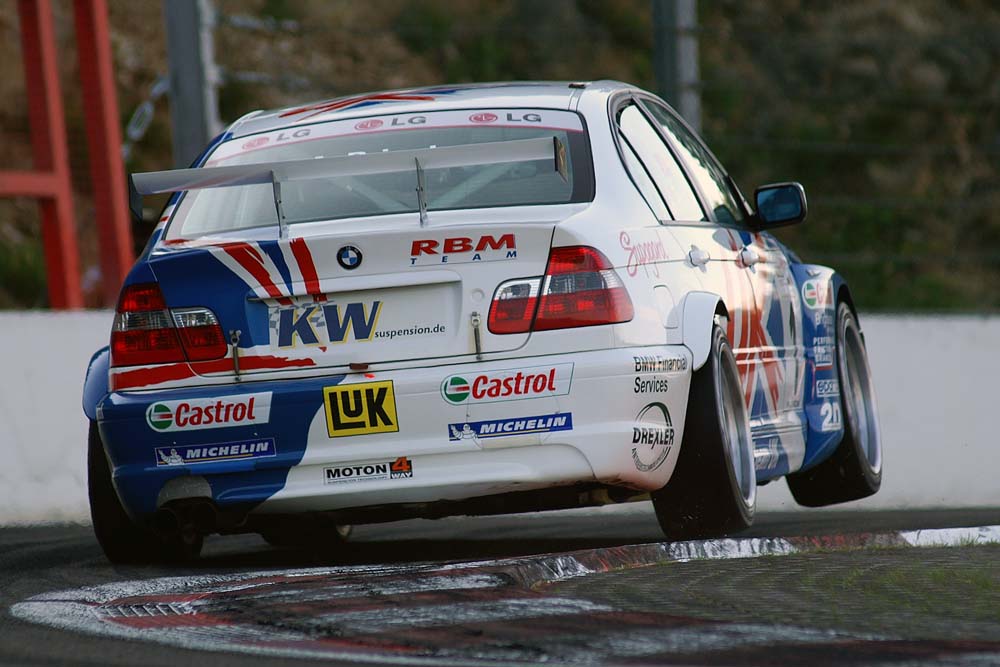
(580,288)
(146,332)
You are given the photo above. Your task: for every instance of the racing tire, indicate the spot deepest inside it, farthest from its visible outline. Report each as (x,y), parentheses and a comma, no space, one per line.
(854,470)
(122,540)
(713,489)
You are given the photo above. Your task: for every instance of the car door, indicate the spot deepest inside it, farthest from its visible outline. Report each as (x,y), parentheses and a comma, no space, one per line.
(766,332)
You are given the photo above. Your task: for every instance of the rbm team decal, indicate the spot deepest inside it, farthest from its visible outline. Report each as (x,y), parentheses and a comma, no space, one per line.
(360,409)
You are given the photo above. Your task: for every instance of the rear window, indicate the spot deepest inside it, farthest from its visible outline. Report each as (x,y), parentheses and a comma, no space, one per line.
(220,210)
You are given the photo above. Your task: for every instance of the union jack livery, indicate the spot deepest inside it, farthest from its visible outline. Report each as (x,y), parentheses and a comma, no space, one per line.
(468,300)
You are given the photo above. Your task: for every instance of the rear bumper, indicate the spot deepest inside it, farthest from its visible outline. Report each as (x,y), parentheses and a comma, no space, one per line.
(589,421)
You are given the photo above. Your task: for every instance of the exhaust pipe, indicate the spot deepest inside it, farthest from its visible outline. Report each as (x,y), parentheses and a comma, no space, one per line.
(166,522)
(186,517)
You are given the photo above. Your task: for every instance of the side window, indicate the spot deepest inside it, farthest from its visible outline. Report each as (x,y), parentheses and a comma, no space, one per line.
(661,164)
(646,187)
(704,168)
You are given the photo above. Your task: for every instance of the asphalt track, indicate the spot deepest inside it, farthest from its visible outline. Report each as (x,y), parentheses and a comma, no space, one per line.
(38,560)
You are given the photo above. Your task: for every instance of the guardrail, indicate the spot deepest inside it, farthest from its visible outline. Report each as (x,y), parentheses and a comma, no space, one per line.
(935,377)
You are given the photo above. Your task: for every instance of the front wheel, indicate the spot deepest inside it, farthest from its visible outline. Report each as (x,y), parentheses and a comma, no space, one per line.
(713,490)
(854,470)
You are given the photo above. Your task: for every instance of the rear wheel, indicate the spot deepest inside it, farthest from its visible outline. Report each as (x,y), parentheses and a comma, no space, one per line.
(713,489)
(855,469)
(121,539)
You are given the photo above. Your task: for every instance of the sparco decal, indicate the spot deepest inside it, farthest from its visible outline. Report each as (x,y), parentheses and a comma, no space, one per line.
(827,388)
(642,253)
(508,385)
(202,413)
(225,451)
(499,428)
(654,363)
(652,437)
(463,249)
(401,468)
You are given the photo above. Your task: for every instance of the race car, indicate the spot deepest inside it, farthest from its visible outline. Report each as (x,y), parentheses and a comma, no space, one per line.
(468,300)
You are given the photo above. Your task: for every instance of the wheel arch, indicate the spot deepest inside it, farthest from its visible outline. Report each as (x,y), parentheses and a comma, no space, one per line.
(95,386)
(699,313)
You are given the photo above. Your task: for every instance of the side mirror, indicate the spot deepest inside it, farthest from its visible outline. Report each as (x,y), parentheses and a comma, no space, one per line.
(134,201)
(780,204)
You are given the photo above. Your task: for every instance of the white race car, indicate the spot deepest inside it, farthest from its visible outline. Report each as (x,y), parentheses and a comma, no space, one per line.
(468,300)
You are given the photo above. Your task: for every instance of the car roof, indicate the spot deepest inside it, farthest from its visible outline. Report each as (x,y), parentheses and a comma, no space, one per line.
(530,94)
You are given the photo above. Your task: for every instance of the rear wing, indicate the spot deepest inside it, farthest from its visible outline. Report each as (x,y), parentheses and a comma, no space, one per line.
(276,173)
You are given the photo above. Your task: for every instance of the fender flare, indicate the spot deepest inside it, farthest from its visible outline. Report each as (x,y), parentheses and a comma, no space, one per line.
(699,311)
(95,386)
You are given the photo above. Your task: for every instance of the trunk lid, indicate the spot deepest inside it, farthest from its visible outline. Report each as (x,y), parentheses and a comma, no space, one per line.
(343,294)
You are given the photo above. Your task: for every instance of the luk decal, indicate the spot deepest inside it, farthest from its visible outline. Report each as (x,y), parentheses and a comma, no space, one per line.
(360,409)
(401,468)
(827,388)
(652,437)
(653,385)
(508,385)
(462,250)
(654,363)
(499,428)
(815,294)
(642,253)
(239,450)
(202,413)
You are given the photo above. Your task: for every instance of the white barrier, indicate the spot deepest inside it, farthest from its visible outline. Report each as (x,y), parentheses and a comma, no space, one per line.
(934,377)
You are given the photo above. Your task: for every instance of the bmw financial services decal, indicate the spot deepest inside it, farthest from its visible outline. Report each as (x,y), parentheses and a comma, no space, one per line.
(652,437)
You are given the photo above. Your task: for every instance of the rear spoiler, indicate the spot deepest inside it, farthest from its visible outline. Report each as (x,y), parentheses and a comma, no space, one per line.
(276,173)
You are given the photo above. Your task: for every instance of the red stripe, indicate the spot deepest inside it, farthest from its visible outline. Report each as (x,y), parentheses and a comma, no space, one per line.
(308,269)
(250,259)
(144,377)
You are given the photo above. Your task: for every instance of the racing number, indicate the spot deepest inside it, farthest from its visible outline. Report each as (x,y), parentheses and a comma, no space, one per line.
(360,409)
(402,464)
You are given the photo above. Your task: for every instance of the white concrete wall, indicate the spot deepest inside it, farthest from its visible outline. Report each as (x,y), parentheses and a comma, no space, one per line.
(935,378)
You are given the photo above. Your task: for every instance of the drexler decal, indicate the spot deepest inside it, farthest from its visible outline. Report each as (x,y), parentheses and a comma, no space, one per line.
(401,468)
(201,413)
(239,450)
(499,428)
(652,437)
(360,409)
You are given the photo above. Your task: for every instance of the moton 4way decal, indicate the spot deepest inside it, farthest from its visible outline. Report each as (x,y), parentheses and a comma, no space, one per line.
(200,413)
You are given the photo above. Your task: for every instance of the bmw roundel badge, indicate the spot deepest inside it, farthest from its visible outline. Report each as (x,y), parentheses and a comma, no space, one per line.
(349,257)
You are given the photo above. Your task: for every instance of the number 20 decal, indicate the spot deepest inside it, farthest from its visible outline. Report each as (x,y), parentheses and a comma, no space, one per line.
(831,417)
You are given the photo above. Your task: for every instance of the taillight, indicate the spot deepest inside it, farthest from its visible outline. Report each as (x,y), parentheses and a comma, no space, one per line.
(146,332)
(580,288)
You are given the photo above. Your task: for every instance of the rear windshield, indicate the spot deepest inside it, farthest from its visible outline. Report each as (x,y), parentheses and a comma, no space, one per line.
(220,210)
